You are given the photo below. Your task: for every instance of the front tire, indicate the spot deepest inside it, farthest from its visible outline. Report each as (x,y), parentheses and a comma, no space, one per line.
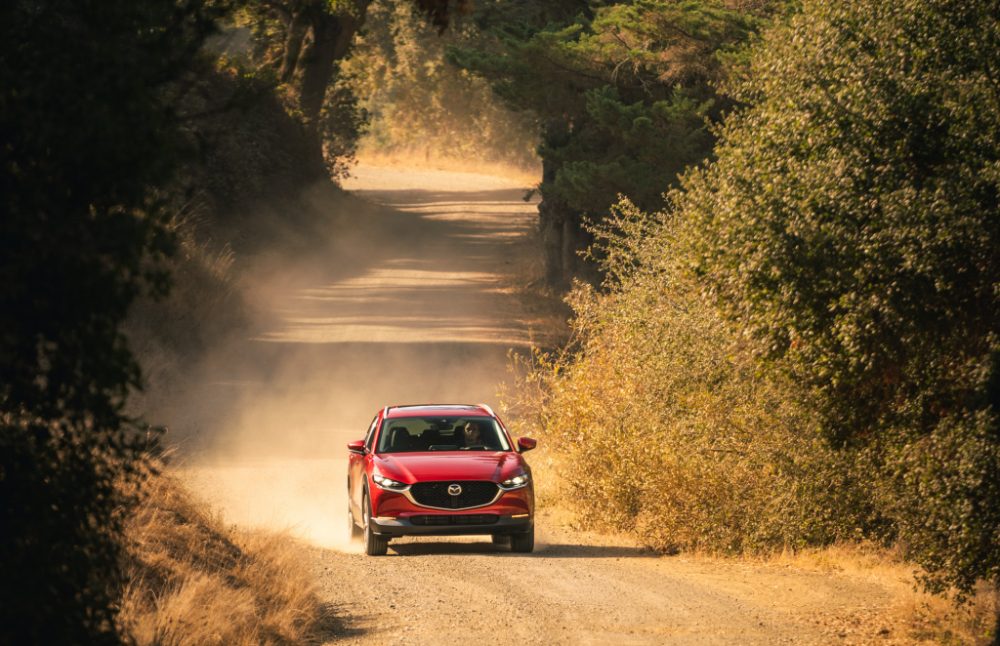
(501,539)
(375,545)
(523,543)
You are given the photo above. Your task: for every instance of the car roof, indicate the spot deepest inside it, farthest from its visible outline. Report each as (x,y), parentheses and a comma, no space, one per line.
(435,410)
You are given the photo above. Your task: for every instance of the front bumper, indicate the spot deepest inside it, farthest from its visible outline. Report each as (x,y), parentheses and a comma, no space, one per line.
(431,524)
(394,514)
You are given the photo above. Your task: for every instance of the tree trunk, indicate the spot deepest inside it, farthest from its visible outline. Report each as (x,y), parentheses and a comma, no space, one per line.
(297,28)
(553,215)
(317,64)
(349,26)
(331,40)
(550,229)
(570,246)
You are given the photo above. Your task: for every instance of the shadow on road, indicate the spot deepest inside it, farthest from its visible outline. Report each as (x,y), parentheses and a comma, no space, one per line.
(333,626)
(573,551)
(553,550)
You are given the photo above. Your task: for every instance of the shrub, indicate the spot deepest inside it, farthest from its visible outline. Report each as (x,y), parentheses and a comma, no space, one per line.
(665,424)
(818,305)
(850,225)
(86,131)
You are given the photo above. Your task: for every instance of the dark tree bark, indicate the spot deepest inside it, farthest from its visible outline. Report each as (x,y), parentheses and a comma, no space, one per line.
(570,247)
(556,221)
(317,38)
(550,230)
(297,28)
(331,40)
(439,12)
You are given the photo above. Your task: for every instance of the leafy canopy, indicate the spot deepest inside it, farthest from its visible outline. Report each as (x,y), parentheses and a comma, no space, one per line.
(850,223)
(812,322)
(86,130)
(624,92)
(630,84)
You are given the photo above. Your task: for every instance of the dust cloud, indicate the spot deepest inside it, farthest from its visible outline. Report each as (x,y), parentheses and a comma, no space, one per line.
(413,297)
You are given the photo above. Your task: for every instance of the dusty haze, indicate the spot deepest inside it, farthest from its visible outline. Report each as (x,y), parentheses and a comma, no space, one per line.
(414,297)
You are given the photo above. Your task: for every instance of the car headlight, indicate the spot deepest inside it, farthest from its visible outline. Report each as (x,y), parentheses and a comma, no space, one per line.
(516,482)
(388,483)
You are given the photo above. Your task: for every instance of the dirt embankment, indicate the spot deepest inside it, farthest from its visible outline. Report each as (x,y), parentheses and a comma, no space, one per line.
(418,299)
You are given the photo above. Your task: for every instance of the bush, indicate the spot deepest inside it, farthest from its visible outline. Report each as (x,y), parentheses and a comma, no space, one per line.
(422,105)
(817,306)
(850,225)
(86,132)
(664,423)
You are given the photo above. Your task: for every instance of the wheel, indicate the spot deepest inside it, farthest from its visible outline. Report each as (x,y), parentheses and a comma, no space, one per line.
(523,542)
(501,539)
(355,532)
(375,545)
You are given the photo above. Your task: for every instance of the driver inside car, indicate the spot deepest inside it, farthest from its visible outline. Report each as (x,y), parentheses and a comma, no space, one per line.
(472,435)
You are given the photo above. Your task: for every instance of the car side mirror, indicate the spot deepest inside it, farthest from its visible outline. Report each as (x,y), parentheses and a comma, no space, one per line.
(526,444)
(358,446)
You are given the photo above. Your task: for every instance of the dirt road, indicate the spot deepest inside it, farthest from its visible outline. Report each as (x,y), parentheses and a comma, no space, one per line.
(419,303)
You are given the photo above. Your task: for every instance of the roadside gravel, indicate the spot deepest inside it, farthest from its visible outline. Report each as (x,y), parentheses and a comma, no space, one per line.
(583,588)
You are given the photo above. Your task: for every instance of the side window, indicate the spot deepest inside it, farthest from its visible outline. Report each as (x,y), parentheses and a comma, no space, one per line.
(371,434)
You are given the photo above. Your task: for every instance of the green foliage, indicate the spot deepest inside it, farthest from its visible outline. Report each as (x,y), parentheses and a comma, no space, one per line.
(342,122)
(630,149)
(306,42)
(246,149)
(625,93)
(647,120)
(661,419)
(301,45)
(85,131)
(820,302)
(851,225)
(421,104)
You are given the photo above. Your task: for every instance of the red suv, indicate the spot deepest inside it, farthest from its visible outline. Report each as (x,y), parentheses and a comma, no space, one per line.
(439,470)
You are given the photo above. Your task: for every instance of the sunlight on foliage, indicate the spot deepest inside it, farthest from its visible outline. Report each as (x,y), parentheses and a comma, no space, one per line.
(422,105)
(803,346)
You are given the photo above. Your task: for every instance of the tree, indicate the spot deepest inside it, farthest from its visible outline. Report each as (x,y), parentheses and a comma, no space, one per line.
(419,103)
(304,43)
(624,93)
(86,132)
(850,223)
(305,40)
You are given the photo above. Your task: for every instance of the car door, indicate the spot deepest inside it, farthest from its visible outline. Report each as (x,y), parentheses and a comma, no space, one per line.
(356,469)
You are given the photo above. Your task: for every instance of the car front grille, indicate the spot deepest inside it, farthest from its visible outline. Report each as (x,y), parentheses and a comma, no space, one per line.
(435,494)
(450,521)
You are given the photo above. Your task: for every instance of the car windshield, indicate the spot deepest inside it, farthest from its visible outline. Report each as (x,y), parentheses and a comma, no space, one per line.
(411,434)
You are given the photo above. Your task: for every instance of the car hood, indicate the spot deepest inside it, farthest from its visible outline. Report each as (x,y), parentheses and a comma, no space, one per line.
(450,465)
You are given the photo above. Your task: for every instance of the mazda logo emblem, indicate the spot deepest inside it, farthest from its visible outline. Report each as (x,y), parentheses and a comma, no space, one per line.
(454,489)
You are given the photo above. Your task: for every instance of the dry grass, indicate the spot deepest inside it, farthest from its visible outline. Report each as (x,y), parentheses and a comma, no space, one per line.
(921,617)
(191,580)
